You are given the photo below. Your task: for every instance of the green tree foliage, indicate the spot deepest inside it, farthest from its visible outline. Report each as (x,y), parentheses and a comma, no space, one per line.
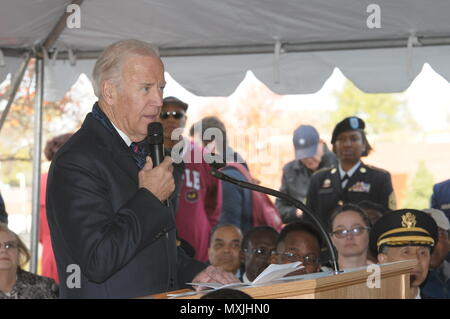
(420,189)
(383,113)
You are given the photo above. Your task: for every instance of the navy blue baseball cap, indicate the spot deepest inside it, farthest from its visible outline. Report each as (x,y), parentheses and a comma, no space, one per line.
(306,139)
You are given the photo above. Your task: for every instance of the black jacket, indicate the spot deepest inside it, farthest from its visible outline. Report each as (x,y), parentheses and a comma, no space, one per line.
(102,222)
(295,182)
(367,183)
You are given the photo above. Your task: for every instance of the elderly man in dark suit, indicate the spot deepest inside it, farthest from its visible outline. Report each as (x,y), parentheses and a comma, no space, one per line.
(111,233)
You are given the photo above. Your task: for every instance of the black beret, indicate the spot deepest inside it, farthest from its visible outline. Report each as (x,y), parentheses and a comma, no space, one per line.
(404,227)
(351,123)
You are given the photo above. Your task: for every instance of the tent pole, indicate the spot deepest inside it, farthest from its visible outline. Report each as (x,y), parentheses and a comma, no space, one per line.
(39,97)
(58,28)
(15,87)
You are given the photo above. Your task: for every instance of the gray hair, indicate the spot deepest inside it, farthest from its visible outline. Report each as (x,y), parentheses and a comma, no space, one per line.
(109,63)
(384,249)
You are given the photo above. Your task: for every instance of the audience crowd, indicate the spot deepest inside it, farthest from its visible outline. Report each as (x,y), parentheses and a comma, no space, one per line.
(217,221)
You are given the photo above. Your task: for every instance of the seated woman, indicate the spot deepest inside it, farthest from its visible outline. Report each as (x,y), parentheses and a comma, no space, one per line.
(349,230)
(16,283)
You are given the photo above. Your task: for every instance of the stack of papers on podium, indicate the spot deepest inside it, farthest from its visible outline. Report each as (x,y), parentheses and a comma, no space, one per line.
(276,271)
(271,273)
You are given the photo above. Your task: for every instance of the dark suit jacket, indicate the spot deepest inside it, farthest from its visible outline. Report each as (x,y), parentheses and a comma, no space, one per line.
(367,183)
(121,236)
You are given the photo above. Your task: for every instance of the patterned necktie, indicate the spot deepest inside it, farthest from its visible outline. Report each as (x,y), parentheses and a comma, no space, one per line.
(140,151)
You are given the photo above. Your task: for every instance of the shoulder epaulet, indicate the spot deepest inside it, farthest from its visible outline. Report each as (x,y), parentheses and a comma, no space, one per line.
(324,169)
(377,169)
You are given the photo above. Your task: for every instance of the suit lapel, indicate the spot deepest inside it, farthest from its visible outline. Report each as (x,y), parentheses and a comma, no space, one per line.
(125,161)
(115,145)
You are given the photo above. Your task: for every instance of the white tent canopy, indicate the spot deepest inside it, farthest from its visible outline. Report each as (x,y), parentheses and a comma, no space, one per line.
(207,46)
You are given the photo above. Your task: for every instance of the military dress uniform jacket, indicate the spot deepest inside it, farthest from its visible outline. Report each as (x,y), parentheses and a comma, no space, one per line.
(367,183)
(111,239)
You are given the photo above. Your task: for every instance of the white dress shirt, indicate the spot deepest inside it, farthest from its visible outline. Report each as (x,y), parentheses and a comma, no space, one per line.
(349,173)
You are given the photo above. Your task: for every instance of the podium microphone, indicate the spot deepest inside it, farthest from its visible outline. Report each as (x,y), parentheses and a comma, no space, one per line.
(298,204)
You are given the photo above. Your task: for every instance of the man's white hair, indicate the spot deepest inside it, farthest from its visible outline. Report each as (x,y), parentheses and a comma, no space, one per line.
(109,63)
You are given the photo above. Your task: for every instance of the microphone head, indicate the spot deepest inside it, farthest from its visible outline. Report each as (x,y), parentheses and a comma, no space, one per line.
(155,133)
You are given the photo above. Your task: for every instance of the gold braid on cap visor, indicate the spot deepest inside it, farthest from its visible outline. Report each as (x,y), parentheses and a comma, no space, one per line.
(423,238)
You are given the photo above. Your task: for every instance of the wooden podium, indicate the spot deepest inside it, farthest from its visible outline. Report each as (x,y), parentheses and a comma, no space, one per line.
(394,284)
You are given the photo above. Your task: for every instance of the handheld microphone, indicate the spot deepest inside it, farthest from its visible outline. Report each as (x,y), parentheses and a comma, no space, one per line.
(155,139)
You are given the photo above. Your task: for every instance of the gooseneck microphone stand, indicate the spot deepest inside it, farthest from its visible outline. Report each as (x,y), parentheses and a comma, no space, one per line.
(216,173)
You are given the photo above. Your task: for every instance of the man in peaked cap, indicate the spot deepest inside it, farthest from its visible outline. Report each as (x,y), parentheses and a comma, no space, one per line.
(350,181)
(311,155)
(406,234)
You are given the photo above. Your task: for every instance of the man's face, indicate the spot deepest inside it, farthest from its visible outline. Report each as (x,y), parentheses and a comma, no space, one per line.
(258,254)
(301,246)
(136,101)
(441,249)
(224,248)
(176,119)
(419,253)
(313,162)
(349,146)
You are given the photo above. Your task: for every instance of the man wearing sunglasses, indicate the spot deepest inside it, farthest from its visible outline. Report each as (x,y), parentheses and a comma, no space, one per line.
(200,194)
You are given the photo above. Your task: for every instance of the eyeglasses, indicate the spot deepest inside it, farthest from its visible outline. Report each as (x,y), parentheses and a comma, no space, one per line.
(9,245)
(175,114)
(356,231)
(259,252)
(292,257)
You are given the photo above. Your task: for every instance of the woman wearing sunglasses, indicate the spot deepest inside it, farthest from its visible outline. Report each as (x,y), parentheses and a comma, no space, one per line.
(349,230)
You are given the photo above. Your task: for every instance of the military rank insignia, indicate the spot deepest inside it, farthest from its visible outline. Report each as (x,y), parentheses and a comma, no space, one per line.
(326,183)
(408,220)
(360,187)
